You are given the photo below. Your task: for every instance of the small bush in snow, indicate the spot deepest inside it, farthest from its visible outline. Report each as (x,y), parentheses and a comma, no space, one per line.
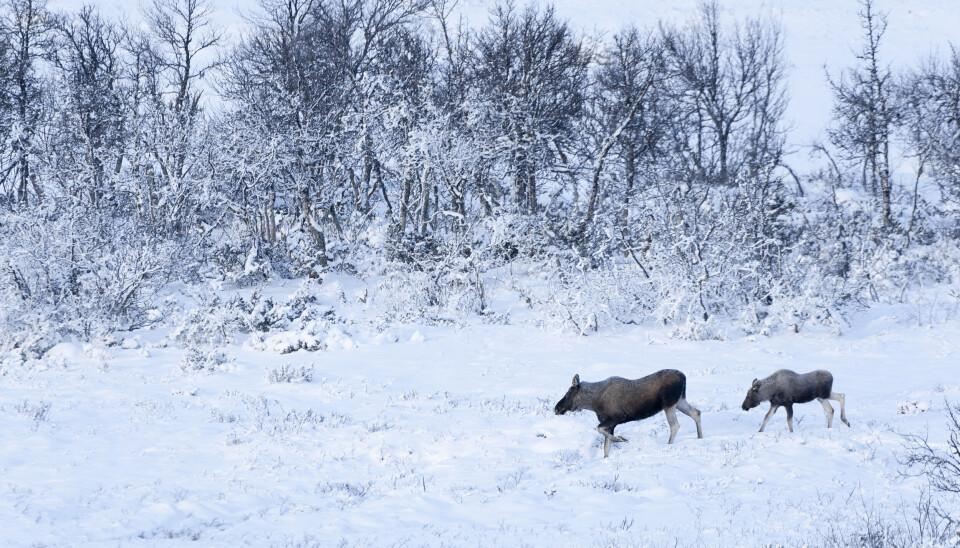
(922,523)
(290,374)
(204,361)
(211,323)
(912,407)
(937,461)
(37,413)
(351,490)
(612,484)
(696,331)
(567,458)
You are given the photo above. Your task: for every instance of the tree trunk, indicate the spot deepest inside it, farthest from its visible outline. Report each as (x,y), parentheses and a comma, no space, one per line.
(424,201)
(314,231)
(532,191)
(405,201)
(885,187)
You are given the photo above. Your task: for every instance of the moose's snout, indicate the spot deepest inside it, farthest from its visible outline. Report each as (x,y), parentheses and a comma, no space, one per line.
(745,406)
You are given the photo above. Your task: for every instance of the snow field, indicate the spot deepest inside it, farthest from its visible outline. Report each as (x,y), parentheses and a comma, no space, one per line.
(448,437)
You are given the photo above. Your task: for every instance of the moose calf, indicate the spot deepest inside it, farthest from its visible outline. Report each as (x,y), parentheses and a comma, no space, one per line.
(618,400)
(785,388)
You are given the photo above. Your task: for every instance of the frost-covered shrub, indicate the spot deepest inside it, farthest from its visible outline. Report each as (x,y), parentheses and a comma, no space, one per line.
(264,315)
(932,306)
(204,360)
(509,236)
(929,520)
(27,334)
(258,314)
(217,319)
(920,523)
(311,336)
(77,271)
(305,321)
(569,305)
(308,337)
(290,374)
(937,461)
(212,323)
(696,330)
(404,295)
(445,292)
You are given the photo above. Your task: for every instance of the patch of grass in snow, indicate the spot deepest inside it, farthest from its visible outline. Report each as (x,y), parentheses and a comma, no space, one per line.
(610,484)
(346,493)
(377,426)
(567,458)
(865,524)
(35,412)
(191,533)
(269,417)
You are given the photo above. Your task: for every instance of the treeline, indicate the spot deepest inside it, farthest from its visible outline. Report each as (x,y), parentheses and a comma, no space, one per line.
(644,172)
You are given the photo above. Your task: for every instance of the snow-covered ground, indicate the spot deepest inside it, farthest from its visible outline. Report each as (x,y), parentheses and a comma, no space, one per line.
(409,436)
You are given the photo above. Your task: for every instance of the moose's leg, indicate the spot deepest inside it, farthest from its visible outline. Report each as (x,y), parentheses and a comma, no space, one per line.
(828,410)
(672,421)
(843,412)
(789,408)
(607,430)
(773,409)
(691,412)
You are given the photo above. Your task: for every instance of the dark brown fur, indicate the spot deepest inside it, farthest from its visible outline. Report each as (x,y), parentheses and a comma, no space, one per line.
(785,388)
(617,400)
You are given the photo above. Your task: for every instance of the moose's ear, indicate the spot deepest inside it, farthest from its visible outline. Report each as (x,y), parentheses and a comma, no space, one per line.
(576,380)
(756,383)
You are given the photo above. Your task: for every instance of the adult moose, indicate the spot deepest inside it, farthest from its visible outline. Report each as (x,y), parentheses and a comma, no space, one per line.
(785,388)
(618,400)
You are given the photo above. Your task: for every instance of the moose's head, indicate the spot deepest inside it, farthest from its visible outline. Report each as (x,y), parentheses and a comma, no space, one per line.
(753,396)
(570,399)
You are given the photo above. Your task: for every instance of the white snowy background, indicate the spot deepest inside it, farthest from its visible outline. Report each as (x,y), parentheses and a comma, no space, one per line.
(381,433)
